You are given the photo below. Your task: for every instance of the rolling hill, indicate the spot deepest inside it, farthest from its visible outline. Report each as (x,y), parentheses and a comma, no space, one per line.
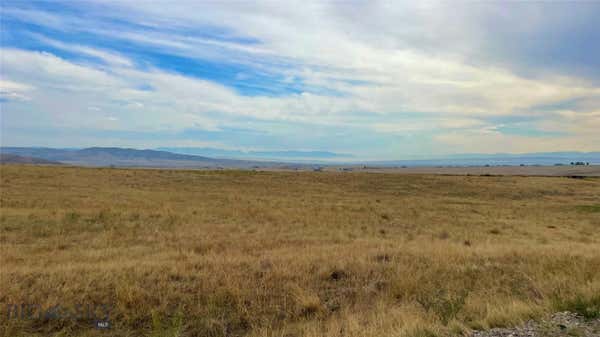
(7,158)
(124,157)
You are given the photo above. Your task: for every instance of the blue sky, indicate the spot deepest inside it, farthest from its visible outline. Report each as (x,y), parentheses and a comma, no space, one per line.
(378,80)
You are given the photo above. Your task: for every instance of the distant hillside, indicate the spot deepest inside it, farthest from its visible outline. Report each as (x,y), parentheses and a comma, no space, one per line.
(6,158)
(260,155)
(113,156)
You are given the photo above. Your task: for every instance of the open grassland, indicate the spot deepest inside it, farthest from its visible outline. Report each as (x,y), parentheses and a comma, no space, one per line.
(261,254)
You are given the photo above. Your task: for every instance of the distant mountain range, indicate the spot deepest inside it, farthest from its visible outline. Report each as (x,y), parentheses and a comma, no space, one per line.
(7,158)
(123,157)
(261,155)
(325,157)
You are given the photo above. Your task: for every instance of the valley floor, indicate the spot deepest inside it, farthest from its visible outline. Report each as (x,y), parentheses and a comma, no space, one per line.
(543,171)
(243,253)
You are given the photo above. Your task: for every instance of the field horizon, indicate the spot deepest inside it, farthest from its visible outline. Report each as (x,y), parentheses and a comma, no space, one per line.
(207,158)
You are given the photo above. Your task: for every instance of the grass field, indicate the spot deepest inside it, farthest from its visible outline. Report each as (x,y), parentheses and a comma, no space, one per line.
(242,253)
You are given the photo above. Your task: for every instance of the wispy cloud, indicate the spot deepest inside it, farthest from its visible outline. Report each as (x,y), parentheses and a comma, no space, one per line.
(10,90)
(107,57)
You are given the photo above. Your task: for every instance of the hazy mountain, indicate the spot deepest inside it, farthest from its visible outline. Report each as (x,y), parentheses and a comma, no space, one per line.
(6,158)
(107,156)
(220,153)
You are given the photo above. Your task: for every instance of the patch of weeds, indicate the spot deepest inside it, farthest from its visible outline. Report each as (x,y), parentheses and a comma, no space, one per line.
(102,217)
(71,217)
(40,230)
(456,328)
(588,208)
(337,275)
(445,306)
(576,332)
(201,249)
(223,316)
(383,258)
(422,332)
(167,326)
(310,308)
(172,219)
(307,304)
(586,307)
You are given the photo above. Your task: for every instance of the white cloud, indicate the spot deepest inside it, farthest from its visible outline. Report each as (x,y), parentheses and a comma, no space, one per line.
(106,56)
(331,44)
(427,124)
(10,90)
(178,102)
(494,142)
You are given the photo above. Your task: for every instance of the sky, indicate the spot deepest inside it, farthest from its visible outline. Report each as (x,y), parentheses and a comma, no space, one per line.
(373,79)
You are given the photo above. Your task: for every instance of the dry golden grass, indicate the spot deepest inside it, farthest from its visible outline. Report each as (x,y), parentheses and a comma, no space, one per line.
(241,253)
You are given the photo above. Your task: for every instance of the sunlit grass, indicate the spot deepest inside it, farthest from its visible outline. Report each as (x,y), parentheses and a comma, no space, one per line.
(241,253)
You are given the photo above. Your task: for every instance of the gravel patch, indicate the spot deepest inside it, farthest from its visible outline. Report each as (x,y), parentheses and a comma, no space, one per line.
(561,324)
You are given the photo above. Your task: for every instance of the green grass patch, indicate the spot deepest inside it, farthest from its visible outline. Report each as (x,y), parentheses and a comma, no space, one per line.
(589,208)
(587,307)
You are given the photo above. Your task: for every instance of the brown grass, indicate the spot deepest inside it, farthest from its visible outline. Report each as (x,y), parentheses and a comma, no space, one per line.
(241,253)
